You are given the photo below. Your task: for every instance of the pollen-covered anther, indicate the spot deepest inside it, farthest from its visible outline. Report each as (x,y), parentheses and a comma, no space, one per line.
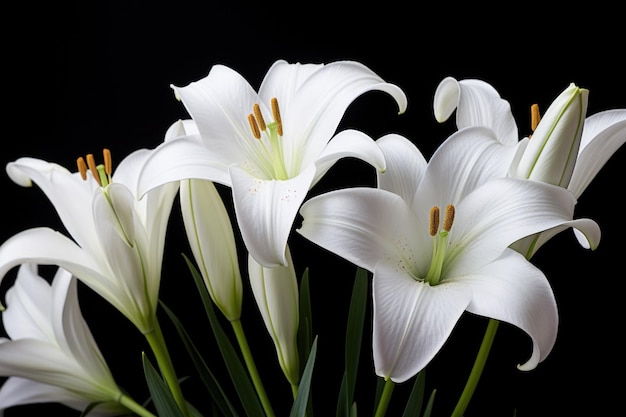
(91,163)
(254,127)
(108,161)
(259,117)
(82,167)
(276,115)
(434,220)
(449,218)
(535,117)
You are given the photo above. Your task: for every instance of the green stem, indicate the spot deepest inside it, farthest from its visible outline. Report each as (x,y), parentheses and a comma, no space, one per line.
(159,348)
(254,374)
(477,369)
(381,409)
(133,406)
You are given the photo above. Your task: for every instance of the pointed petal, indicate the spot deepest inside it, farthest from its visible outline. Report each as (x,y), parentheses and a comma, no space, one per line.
(30,301)
(499,213)
(603,134)
(182,158)
(313,114)
(586,231)
(67,192)
(349,143)
(212,241)
(20,391)
(405,166)
(466,160)
(365,225)
(412,320)
(219,104)
(477,103)
(514,291)
(266,211)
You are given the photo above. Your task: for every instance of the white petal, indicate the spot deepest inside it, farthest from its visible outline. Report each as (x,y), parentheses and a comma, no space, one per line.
(405,166)
(266,211)
(67,192)
(182,158)
(466,160)
(313,114)
(603,134)
(365,225)
(412,321)
(499,213)
(20,391)
(219,104)
(349,143)
(514,291)
(477,103)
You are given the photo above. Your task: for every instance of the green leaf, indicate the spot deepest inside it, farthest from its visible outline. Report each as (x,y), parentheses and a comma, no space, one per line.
(354,336)
(305,328)
(299,407)
(211,383)
(164,402)
(236,369)
(429,405)
(416,398)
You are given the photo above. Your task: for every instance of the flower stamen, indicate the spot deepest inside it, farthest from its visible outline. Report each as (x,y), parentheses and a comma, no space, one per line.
(254,127)
(259,117)
(440,242)
(535,117)
(101,173)
(276,114)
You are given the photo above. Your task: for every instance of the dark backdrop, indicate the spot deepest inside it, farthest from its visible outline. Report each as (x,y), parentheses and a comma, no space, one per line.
(82,78)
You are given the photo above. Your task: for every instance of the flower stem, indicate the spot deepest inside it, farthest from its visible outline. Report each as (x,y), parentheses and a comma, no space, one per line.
(381,409)
(159,348)
(254,374)
(477,369)
(133,406)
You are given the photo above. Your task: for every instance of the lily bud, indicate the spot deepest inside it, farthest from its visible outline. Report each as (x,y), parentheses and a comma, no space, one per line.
(551,153)
(212,241)
(275,290)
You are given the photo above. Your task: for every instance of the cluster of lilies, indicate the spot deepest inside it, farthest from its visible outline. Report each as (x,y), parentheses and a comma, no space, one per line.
(440,237)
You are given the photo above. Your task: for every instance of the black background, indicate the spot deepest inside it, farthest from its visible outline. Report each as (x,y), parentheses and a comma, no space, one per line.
(82,78)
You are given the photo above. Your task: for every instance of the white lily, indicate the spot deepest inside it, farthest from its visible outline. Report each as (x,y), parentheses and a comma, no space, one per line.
(566,148)
(117,241)
(51,355)
(270,157)
(424,276)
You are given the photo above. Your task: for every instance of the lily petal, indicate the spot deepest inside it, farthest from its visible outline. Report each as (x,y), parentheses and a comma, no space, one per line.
(405,166)
(603,134)
(364,225)
(266,211)
(412,320)
(477,103)
(176,160)
(349,143)
(514,291)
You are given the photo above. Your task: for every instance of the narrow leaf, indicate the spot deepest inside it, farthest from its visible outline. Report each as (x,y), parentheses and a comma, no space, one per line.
(236,369)
(164,402)
(211,383)
(299,406)
(354,335)
(305,328)
(416,399)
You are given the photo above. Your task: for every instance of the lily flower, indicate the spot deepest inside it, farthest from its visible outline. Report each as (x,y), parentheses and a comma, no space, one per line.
(269,146)
(567,148)
(117,241)
(429,267)
(276,293)
(51,355)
